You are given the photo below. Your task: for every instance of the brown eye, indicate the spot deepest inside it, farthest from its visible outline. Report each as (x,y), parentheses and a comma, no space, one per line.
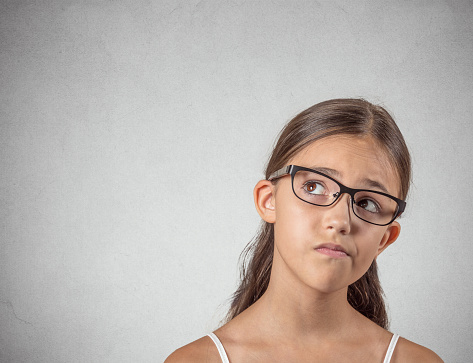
(314,188)
(368,205)
(311,187)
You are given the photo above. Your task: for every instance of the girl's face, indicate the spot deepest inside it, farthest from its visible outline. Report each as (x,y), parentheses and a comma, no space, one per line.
(307,236)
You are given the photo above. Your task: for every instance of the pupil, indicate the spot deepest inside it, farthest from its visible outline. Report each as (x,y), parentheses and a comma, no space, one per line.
(362,204)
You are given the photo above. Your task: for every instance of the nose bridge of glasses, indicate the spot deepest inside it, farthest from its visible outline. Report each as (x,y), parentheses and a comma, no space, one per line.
(345,190)
(337,196)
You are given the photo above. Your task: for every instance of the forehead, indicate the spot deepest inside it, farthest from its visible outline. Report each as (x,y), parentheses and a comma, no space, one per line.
(354,159)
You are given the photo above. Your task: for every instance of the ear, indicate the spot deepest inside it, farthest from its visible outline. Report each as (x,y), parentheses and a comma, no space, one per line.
(390,236)
(263,195)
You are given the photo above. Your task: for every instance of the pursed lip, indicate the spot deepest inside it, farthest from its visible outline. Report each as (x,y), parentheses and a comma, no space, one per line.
(331,246)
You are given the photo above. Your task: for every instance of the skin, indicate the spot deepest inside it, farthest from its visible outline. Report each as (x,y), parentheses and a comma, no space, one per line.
(304,315)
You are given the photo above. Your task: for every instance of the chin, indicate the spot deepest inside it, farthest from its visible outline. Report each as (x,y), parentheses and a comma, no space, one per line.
(327,286)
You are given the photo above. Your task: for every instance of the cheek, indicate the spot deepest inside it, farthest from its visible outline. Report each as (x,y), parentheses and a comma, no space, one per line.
(289,226)
(293,225)
(367,249)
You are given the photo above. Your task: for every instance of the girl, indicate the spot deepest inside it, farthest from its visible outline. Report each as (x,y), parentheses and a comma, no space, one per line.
(335,185)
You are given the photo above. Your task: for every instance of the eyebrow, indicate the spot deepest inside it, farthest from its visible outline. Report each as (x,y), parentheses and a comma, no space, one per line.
(370,183)
(374,184)
(330,172)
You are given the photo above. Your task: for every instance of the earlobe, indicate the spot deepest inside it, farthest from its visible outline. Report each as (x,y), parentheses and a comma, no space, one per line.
(263,195)
(390,236)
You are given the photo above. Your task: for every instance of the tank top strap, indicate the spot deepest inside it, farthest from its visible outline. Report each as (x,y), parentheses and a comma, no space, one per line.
(223,354)
(391,347)
(220,348)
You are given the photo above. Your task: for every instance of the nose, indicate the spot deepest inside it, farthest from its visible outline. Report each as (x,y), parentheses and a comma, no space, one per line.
(337,217)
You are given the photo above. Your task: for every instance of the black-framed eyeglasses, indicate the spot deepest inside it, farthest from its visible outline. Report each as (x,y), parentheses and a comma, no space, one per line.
(316,188)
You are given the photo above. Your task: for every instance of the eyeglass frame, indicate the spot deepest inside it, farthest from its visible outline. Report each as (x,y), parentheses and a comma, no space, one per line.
(293,169)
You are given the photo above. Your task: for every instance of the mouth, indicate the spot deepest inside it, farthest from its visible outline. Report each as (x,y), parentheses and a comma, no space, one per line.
(332,250)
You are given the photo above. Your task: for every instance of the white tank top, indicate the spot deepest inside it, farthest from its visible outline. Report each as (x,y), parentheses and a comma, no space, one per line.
(223,354)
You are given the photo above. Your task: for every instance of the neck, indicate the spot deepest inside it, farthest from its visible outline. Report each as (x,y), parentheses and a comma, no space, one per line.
(295,309)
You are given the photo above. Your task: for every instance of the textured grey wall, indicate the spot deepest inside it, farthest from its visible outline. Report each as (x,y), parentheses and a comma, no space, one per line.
(133,132)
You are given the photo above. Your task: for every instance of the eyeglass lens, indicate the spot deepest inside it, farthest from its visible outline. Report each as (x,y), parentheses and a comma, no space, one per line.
(319,190)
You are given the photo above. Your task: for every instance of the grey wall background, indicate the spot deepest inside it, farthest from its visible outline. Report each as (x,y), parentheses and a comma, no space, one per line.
(132,134)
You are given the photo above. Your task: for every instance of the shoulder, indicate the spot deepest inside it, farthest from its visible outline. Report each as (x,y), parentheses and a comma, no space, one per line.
(407,351)
(201,350)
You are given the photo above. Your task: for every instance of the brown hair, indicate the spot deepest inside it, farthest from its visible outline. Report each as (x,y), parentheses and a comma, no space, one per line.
(355,117)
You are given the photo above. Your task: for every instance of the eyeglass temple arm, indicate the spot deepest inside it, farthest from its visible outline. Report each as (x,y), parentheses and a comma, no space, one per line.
(402,207)
(281,172)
